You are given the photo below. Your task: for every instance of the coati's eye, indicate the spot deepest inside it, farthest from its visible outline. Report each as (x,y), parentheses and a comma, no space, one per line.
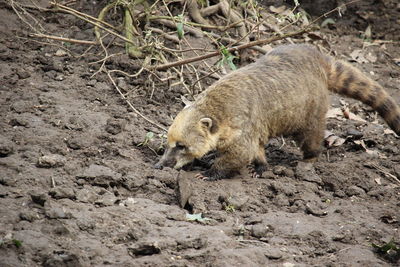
(180,146)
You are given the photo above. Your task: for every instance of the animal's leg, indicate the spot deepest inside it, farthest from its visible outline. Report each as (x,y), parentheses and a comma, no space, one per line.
(259,164)
(227,164)
(313,137)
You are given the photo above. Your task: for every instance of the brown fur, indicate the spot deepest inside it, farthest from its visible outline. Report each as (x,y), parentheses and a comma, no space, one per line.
(285,92)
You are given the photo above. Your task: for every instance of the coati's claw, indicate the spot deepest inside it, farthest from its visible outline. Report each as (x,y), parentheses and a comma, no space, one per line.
(256,172)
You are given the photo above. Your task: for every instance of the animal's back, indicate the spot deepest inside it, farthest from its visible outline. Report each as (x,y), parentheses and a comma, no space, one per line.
(276,95)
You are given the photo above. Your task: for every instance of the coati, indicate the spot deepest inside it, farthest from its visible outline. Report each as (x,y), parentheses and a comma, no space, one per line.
(285,92)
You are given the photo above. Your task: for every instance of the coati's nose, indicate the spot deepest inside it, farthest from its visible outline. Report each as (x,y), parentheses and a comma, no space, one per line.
(158,166)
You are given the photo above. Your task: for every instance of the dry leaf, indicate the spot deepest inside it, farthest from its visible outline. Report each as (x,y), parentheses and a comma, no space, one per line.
(390,131)
(378,180)
(277,10)
(368,32)
(371,57)
(332,140)
(351,116)
(358,56)
(335,113)
(369,151)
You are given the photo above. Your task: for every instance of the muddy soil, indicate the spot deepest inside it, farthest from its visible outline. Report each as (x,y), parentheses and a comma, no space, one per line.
(78,189)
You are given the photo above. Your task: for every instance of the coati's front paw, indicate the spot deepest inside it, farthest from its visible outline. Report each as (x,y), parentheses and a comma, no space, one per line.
(214,174)
(256,170)
(208,176)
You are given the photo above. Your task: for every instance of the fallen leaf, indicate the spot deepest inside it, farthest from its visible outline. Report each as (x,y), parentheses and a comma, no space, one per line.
(389,131)
(335,113)
(378,180)
(358,56)
(369,151)
(196,217)
(368,32)
(332,140)
(351,116)
(371,57)
(277,10)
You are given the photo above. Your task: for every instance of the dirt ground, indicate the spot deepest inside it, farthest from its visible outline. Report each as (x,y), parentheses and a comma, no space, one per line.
(76,189)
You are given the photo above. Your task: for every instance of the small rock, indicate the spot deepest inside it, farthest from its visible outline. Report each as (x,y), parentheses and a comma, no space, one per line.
(91,82)
(51,161)
(354,134)
(129,202)
(107,199)
(288,172)
(281,200)
(115,126)
(183,189)
(313,209)
(397,171)
(53,210)
(237,201)
(6,148)
(23,74)
(253,219)
(144,249)
(76,143)
(278,170)
(101,176)
(273,253)
(19,121)
(28,215)
(305,171)
(268,175)
(3,191)
(260,230)
(60,53)
(355,191)
(62,192)
(20,106)
(38,197)
(86,195)
(62,258)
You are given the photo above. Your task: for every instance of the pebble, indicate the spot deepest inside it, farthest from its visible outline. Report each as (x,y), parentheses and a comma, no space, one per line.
(53,210)
(6,148)
(260,230)
(51,161)
(38,197)
(60,192)
(305,171)
(28,215)
(100,175)
(273,253)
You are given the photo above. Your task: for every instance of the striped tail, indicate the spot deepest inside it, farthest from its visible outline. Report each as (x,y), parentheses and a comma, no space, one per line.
(347,80)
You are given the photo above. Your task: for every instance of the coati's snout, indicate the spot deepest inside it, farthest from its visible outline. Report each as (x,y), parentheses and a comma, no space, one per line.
(175,157)
(187,140)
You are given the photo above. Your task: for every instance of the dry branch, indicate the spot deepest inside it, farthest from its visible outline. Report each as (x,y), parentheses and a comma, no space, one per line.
(231,49)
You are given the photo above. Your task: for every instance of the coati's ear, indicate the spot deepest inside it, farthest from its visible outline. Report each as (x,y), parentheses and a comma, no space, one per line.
(206,123)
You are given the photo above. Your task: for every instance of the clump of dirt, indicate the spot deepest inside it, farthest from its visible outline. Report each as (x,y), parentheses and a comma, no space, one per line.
(78,187)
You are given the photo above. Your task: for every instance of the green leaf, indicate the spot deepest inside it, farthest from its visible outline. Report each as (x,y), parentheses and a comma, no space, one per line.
(17,243)
(386,248)
(196,217)
(179,27)
(149,135)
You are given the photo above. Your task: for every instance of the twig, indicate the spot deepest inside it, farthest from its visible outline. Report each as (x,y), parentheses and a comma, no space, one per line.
(62,39)
(130,104)
(385,172)
(232,49)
